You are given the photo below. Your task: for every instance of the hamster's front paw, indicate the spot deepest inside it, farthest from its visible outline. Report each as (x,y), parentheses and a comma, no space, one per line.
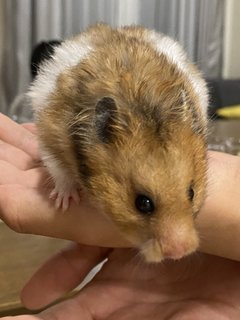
(62,196)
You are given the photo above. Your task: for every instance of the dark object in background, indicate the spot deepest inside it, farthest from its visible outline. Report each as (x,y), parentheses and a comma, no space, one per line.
(223,93)
(41,52)
(20,109)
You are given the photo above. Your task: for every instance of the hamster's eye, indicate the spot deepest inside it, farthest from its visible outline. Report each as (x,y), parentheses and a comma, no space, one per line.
(190,193)
(144,204)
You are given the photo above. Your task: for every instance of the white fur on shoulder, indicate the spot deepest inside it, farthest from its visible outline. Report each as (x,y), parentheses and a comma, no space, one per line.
(67,55)
(172,49)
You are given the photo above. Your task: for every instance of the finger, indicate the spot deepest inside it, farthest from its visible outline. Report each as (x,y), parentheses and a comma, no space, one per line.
(32,178)
(97,302)
(61,274)
(67,310)
(24,317)
(18,136)
(70,310)
(31,127)
(143,311)
(26,210)
(16,156)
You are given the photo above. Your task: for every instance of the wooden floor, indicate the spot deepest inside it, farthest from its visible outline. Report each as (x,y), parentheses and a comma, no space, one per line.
(20,256)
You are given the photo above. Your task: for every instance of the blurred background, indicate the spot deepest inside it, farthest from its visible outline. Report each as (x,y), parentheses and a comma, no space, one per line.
(197,24)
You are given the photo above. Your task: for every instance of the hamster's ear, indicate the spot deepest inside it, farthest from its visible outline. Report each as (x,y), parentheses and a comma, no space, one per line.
(106,113)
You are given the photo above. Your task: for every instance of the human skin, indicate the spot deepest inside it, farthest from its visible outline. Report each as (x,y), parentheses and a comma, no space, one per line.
(197,287)
(24,195)
(218,221)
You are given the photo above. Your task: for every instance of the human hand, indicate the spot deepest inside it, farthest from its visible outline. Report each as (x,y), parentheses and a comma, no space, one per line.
(24,202)
(219,219)
(197,287)
(25,207)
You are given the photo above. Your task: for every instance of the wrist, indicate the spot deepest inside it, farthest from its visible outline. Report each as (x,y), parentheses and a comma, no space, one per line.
(219,219)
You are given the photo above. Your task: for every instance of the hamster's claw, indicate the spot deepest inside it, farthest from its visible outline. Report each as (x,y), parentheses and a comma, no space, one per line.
(62,198)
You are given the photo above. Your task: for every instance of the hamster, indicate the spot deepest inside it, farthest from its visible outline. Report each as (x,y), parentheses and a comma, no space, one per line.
(122,114)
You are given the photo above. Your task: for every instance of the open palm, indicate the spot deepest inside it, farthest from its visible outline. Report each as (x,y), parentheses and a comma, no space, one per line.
(198,287)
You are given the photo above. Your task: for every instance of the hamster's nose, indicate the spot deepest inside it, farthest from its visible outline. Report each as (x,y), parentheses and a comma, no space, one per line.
(176,249)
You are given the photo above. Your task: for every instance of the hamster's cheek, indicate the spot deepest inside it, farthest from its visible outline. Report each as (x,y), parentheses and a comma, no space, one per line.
(152,252)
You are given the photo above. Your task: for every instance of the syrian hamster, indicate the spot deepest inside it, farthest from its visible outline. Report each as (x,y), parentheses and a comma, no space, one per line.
(122,114)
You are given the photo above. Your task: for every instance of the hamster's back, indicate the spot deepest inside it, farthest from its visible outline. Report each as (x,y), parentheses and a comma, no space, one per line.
(132,48)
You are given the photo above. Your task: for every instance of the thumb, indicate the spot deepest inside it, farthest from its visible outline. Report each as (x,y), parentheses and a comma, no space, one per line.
(60,274)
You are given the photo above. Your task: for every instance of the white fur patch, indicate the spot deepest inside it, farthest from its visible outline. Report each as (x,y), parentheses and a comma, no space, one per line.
(67,55)
(61,178)
(174,52)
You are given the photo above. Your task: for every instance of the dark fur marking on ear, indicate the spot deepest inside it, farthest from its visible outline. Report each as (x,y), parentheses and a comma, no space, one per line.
(105,115)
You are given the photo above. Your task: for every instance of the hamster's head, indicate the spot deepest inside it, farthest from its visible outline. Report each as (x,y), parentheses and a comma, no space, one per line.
(148,176)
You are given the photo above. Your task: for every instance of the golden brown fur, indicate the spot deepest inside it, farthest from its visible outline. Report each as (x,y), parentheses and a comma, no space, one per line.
(158,146)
